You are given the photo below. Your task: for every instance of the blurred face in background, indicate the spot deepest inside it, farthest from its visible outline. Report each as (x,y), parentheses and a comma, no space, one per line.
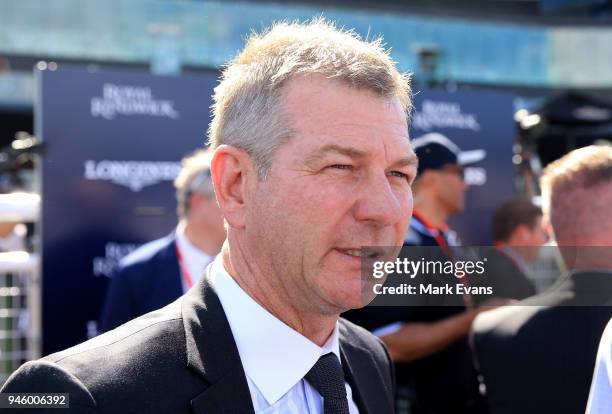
(342,182)
(449,187)
(205,217)
(536,234)
(529,239)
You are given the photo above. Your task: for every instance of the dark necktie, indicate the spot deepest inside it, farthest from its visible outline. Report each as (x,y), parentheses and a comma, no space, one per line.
(327,378)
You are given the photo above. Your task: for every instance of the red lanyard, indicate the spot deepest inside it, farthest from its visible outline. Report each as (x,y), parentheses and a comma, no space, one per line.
(187,281)
(438,235)
(434,232)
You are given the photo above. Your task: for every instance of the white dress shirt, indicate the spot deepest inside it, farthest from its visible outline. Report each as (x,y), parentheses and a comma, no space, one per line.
(194,259)
(275,357)
(600,398)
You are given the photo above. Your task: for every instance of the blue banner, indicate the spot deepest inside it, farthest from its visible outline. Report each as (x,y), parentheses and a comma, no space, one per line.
(114,142)
(475,120)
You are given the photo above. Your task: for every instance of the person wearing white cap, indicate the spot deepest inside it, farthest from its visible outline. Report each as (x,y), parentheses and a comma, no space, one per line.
(439,190)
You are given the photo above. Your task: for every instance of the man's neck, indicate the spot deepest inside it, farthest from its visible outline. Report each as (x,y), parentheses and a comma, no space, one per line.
(262,289)
(432,211)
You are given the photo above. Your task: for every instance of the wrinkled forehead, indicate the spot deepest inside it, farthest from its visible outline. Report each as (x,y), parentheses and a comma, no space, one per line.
(357,139)
(320,107)
(307,88)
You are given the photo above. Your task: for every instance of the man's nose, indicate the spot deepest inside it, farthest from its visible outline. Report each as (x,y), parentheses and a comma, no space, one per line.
(378,203)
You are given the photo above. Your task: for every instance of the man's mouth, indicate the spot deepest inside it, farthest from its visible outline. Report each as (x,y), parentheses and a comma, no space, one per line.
(364,253)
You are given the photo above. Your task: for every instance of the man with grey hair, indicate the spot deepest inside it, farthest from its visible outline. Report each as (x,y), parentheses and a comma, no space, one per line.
(159,272)
(311,163)
(538,356)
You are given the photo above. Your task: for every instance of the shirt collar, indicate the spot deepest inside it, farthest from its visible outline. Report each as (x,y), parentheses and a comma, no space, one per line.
(274,356)
(194,259)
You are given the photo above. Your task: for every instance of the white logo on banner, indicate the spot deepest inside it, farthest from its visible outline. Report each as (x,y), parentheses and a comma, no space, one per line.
(113,253)
(130,100)
(475,176)
(437,114)
(132,174)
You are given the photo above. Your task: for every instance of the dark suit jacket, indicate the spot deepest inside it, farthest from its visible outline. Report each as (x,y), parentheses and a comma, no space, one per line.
(149,278)
(505,276)
(540,359)
(183,359)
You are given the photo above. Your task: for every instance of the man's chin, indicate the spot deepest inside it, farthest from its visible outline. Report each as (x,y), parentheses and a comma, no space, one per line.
(358,297)
(346,289)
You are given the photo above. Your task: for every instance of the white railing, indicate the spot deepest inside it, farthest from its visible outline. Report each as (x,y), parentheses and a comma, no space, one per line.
(20,290)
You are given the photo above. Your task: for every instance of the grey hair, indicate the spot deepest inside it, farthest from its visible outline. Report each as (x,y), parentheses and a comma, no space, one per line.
(194,177)
(247,110)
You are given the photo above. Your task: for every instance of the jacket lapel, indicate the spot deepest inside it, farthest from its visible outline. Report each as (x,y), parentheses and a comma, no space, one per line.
(212,353)
(354,382)
(361,373)
(228,395)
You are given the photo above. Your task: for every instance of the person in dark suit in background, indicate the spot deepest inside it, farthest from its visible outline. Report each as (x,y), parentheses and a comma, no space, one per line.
(518,235)
(311,162)
(539,357)
(160,271)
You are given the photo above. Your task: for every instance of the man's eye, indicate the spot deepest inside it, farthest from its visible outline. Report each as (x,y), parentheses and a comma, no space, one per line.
(399,174)
(340,166)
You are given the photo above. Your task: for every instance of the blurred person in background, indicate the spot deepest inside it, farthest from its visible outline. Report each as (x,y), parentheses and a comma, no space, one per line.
(518,235)
(311,162)
(160,271)
(600,397)
(428,343)
(439,191)
(539,357)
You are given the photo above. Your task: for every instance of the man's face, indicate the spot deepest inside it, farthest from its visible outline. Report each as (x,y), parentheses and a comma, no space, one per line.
(341,183)
(450,187)
(206,218)
(533,239)
(537,234)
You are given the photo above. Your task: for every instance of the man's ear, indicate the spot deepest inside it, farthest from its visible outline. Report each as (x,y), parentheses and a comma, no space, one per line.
(232,170)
